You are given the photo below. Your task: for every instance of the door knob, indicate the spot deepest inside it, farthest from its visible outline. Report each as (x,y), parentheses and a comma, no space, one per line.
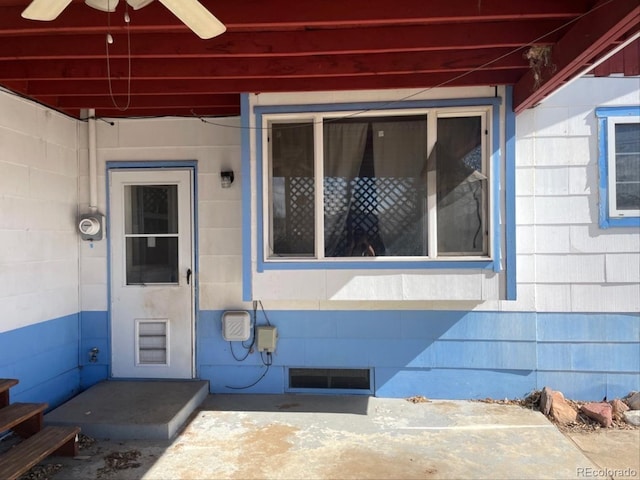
(188,276)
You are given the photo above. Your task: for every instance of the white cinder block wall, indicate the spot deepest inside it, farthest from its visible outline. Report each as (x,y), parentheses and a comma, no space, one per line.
(214,147)
(38,209)
(574,265)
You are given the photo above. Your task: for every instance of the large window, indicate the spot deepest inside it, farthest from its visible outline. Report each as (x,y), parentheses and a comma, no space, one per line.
(619,166)
(370,187)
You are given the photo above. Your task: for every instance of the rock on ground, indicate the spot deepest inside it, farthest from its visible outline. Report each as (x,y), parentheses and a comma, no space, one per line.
(546,400)
(601,412)
(632,417)
(560,410)
(633,400)
(618,407)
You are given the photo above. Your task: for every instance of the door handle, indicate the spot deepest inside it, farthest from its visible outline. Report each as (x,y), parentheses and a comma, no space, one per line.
(188,275)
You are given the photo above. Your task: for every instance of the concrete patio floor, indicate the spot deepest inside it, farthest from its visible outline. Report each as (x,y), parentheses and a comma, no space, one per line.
(347,437)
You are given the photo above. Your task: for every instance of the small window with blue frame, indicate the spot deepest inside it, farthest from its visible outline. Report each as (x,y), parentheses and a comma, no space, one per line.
(619,166)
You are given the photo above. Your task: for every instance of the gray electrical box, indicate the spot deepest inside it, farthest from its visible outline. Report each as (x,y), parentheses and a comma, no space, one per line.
(266,338)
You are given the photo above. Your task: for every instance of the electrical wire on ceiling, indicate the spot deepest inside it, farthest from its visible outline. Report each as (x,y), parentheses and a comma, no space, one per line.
(440,85)
(108,42)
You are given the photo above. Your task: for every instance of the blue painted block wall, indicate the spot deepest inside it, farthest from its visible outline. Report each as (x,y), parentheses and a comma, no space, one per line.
(51,359)
(438,354)
(44,358)
(593,356)
(94,333)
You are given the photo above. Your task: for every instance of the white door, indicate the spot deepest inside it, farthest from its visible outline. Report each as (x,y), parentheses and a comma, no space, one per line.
(151,273)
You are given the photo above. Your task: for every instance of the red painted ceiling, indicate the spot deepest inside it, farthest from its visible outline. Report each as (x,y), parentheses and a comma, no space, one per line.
(159,67)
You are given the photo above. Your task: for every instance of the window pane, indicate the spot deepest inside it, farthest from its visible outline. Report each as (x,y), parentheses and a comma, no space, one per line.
(628,196)
(152,260)
(462,187)
(628,138)
(151,209)
(627,166)
(374,187)
(292,190)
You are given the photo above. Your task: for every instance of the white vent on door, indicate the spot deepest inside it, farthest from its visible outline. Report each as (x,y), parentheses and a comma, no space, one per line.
(151,342)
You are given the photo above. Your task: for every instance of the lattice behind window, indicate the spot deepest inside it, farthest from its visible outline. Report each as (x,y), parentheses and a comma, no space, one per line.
(364,200)
(299,224)
(152,342)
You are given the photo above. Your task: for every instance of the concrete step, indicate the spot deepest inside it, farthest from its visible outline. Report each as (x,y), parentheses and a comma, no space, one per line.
(132,409)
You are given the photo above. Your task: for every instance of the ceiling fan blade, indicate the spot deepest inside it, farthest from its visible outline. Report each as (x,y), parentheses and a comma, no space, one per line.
(195,16)
(138,4)
(103,5)
(45,10)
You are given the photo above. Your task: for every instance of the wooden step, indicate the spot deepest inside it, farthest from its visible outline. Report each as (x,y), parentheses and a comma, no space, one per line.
(23,418)
(30,452)
(5,385)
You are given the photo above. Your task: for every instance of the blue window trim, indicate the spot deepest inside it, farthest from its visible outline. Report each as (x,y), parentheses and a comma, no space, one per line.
(510,196)
(248,227)
(157,165)
(245,142)
(603,114)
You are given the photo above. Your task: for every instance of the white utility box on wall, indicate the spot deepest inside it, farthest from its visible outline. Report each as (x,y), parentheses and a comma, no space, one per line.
(266,338)
(236,326)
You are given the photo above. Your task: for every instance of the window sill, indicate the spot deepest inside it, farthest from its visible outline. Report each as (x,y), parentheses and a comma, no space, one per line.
(619,222)
(475,263)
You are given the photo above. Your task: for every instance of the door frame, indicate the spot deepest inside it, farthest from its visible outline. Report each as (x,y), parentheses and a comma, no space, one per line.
(141,166)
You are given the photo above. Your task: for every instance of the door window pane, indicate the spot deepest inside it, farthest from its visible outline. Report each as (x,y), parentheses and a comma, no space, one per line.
(151,231)
(462,187)
(152,260)
(151,209)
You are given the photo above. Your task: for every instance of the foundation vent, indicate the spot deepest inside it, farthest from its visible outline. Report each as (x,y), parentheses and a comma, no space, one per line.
(330,378)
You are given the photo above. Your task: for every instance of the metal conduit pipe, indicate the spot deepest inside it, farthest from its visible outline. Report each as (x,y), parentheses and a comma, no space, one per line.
(93,155)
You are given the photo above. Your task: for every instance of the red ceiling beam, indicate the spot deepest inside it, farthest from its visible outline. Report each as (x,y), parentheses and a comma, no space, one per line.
(79,87)
(590,37)
(308,67)
(144,101)
(171,87)
(327,13)
(194,112)
(287,43)
(258,14)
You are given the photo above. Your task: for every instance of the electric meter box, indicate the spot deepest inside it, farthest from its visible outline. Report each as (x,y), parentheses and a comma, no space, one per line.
(236,326)
(91,226)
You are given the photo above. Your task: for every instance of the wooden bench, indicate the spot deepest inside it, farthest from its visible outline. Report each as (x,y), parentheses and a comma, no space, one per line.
(30,452)
(5,385)
(25,419)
